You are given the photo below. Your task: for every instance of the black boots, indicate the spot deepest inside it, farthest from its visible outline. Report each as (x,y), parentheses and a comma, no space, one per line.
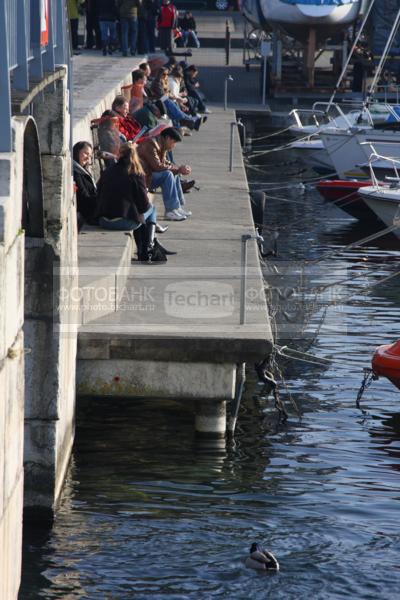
(149,248)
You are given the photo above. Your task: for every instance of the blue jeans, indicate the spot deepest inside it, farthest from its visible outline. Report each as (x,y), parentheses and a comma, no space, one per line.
(190,35)
(129,31)
(175,113)
(108,31)
(171,189)
(121,224)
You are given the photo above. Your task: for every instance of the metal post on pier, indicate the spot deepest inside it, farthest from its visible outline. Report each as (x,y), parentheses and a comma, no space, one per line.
(243,278)
(227,79)
(231,145)
(243,275)
(227,43)
(234,124)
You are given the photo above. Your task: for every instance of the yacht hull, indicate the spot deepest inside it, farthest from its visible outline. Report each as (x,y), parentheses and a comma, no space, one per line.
(385,202)
(350,150)
(296,18)
(313,155)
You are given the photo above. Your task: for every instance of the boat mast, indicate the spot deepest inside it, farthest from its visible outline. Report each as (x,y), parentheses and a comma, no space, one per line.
(342,74)
(382,61)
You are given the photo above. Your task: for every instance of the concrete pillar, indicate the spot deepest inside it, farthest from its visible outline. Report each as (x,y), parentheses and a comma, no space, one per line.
(211,417)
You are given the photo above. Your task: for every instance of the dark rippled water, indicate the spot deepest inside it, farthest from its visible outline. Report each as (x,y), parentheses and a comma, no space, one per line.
(148,514)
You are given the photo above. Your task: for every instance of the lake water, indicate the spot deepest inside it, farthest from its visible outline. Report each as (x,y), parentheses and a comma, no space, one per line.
(148,514)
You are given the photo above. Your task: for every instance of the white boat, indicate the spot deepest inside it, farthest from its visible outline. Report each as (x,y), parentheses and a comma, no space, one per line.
(384,198)
(296,17)
(350,149)
(311,153)
(385,202)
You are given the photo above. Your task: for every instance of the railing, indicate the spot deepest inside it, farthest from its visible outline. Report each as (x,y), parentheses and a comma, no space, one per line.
(33,40)
(12,27)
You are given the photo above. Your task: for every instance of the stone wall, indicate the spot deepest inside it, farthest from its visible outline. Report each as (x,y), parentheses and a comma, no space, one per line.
(52,264)
(11,370)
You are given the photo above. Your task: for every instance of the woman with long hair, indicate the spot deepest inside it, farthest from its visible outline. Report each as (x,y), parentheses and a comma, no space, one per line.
(86,189)
(124,204)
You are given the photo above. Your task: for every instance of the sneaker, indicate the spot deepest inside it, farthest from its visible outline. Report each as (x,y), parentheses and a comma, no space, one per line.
(207,111)
(184,212)
(174,215)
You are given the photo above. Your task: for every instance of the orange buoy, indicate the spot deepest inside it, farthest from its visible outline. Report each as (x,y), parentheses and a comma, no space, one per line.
(386,362)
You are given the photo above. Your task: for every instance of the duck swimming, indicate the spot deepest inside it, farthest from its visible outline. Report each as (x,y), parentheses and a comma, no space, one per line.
(261,560)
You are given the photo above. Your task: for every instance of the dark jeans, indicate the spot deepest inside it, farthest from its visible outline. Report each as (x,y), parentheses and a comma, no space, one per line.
(74,32)
(146,35)
(165,38)
(129,30)
(93,37)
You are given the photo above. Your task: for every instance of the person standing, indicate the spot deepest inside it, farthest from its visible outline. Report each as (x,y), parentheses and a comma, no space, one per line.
(93,37)
(73,15)
(108,14)
(166,22)
(128,13)
(153,9)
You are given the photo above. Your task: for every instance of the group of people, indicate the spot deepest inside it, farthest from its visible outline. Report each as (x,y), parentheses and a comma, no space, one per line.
(137,137)
(131,25)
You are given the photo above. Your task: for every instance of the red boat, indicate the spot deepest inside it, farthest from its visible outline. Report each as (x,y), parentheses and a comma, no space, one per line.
(344,194)
(386,362)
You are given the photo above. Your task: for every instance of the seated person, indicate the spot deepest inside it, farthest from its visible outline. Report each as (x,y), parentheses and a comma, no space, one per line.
(160,172)
(139,81)
(150,113)
(124,204)
(160,91)
(187,25)
(126,124)
(192,87)
(86,189)
(110,139)
(145,67)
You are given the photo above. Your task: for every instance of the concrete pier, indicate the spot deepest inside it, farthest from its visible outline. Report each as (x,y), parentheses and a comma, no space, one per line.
(176,331)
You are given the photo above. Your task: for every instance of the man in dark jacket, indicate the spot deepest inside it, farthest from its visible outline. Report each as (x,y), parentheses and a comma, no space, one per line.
(188,27)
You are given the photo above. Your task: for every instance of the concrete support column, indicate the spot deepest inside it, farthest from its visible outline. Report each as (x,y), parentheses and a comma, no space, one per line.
(211,417)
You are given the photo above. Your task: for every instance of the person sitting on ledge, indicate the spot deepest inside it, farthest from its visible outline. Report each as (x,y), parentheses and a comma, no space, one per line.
(138,94)
(86,189)
(149,115)
(160,90)
(127,125)
(160,172)
(124,204)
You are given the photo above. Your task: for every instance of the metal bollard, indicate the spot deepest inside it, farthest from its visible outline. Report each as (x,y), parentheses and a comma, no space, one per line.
(243,279)
(237,123)
(227,43)
(233,125)
(227,79)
